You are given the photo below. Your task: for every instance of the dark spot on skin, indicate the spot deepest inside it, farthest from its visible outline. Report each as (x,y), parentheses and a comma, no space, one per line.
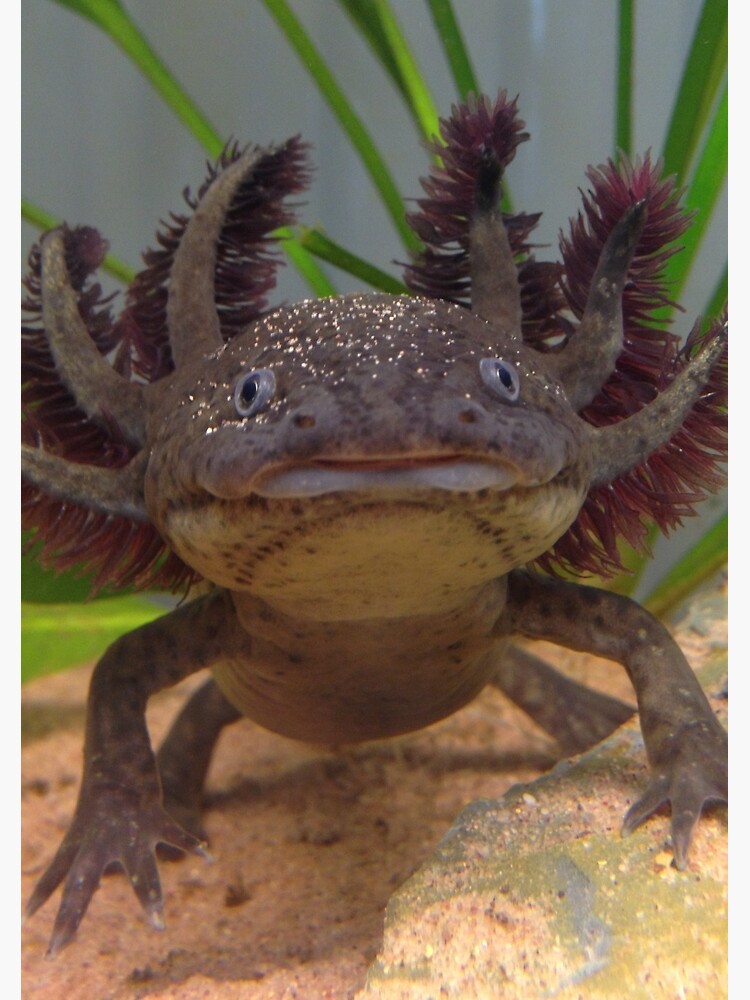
(304,420)
(467,417)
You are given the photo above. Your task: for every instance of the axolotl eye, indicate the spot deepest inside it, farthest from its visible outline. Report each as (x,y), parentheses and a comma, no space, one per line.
(501,377)
(253,391)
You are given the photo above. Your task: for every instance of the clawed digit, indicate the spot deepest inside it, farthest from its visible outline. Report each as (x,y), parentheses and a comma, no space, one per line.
(698,776)
(88,849)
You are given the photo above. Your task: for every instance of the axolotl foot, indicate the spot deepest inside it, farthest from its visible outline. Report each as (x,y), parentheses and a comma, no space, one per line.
(691,772)
(686,745)
(111,824)
(120,816)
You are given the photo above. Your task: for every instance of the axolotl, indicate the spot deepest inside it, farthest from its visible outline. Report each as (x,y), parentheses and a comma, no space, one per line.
(369,482)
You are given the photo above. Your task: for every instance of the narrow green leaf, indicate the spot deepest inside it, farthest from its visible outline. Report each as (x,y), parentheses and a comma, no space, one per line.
(37,216)
(43,220)
(624,109)
(315,276)
(113,19)
(305,265)
(418,92)
(348,118)
(706,557)
(702,75)
(55,636)
(452,41)
(704,189)
(320,245)
(365,18)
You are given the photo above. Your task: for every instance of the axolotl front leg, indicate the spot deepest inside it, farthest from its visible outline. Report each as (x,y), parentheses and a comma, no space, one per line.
(685,743)
(119,816)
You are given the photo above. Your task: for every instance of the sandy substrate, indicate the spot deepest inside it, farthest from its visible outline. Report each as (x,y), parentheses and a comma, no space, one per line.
(309,844)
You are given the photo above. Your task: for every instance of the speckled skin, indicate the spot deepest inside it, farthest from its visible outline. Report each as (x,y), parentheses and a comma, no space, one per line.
(346,614)
(372,380)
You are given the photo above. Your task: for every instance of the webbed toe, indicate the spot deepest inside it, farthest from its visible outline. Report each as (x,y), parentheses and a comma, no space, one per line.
(693,774)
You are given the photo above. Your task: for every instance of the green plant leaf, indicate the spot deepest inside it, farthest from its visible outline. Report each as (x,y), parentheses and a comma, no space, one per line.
(624,101)
(113,19)
(314,275)
(55,636)
(319,244)
(704,559)
(702,193)
(348,118)
(367,21)
(703,72)
(455,50)
(418,93)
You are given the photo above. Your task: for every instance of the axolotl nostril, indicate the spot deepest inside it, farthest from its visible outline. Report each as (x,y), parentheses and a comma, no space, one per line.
(366,481)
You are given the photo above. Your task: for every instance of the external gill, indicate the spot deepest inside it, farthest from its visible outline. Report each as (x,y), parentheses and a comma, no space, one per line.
(98,389)
(591,354)
(191,304)
(495,292)
(117,492)
(620,447)
(225,237)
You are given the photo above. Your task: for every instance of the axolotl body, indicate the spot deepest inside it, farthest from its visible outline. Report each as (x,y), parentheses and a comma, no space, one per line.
(363,480)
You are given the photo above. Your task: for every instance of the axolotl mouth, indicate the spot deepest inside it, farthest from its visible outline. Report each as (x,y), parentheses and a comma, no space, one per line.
(389,475)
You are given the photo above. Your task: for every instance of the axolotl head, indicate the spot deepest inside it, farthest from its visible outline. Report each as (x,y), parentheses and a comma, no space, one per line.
(376,453)
(363,456)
